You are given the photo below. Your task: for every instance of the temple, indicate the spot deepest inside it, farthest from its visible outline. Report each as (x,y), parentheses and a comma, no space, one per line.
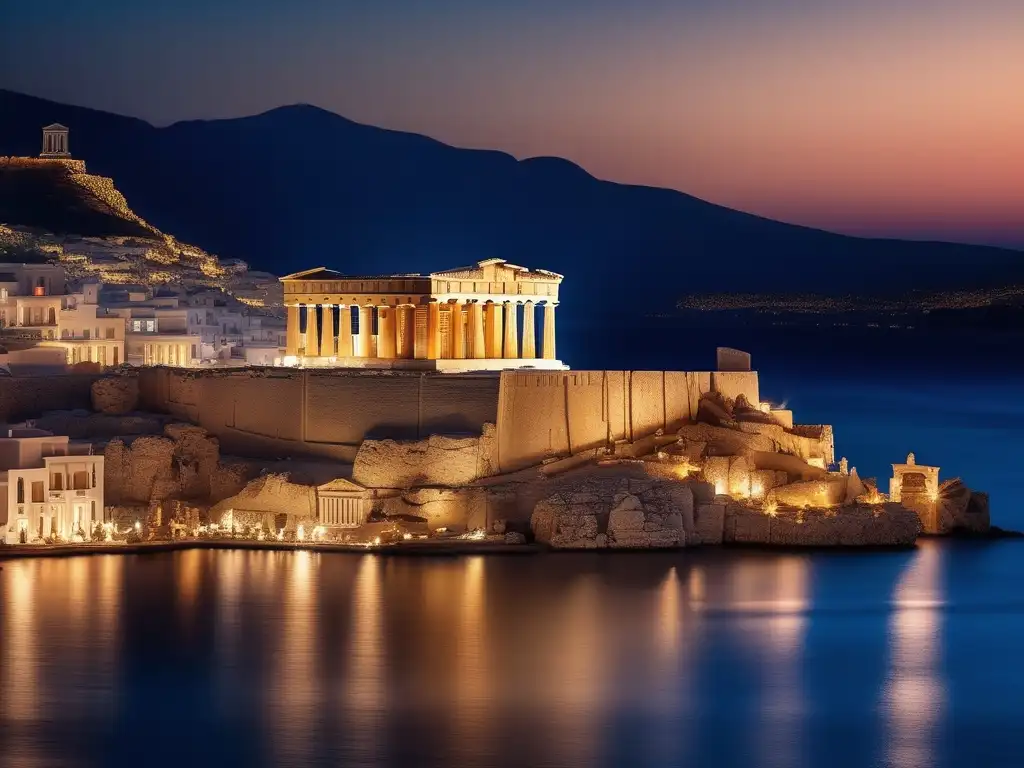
(481,317)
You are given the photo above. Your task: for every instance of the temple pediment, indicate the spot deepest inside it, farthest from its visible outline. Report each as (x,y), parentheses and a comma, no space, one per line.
(340,484)
(317,273)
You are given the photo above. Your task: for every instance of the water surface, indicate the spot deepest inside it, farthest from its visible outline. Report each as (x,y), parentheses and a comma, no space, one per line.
(675,659)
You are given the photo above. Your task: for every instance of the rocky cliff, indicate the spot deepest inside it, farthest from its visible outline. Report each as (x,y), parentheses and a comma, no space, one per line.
(54,210)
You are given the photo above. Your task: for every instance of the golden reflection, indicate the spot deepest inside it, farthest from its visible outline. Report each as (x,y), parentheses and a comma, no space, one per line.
(473,673)
(230,565)
(105,608)
(365,696)
(915,692)
(295,679)
(577,674)
(78,589)
(776,629)
(669,616)
(19,669)
(696,587)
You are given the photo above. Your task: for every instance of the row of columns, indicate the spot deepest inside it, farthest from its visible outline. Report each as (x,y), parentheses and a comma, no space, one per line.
(167,353)
(425,332)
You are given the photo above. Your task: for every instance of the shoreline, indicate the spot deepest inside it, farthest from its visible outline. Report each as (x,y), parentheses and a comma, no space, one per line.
(448,548)
(434,549)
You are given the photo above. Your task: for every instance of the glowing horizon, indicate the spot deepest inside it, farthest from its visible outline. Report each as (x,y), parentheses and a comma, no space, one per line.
(900,118)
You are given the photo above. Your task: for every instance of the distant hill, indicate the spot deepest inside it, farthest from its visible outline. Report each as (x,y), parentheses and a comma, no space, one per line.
(298,187)
(54,210)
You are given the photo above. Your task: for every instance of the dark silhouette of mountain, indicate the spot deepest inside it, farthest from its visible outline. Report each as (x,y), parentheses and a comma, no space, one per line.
(298,186)
(47,198)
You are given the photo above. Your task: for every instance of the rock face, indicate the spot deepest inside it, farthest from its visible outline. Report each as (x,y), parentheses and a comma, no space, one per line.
(454,509)
(961,509)
(855,526)
(182,464)
(115,394)
(606,510)
(269,497)
(436,461)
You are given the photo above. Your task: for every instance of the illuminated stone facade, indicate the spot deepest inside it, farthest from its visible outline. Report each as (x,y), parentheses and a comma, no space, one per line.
(482,317)
(51,488)
(55,141)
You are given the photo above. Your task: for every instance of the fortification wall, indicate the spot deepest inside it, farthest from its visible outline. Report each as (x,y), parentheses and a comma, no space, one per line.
(326,414)
(26,397)
(545,414)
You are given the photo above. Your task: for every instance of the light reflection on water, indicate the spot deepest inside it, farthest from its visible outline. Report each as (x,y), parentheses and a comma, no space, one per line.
(259,658)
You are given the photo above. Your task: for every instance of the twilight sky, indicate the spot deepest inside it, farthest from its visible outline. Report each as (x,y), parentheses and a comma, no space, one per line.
(902,117)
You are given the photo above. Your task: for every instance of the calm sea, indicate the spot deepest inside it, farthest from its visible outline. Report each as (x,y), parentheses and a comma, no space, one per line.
(689,659)
(696,658)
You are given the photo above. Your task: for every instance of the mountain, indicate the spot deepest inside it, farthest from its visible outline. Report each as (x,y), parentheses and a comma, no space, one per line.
(298,187)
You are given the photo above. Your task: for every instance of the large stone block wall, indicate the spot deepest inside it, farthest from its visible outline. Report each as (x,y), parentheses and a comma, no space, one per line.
(547,414)
(28,396)
(326,414)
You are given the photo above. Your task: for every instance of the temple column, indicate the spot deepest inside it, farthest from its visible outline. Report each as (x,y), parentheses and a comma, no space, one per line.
(312,332)
(185,357)
(529,332)
(548,350)
(345,332)
(365,332)
(327,331)
(451,313)
(406,332)
(492,330)
(477,348)
(292,344)
(460,331)
(386,346)
(433,331)
(421,331)
(511,350)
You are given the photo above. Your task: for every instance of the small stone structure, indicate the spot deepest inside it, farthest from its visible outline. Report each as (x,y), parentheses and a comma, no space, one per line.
(55,141)
(733,360)
(342,503)
(914,478)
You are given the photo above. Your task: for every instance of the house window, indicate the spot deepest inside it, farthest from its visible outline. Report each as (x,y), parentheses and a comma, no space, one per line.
(57,482)
(80,480)
(21,490)
(38,492)
(86,333)
(110,333)
(93,475)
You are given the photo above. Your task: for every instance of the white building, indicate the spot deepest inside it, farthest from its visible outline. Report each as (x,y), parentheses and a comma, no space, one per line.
(88,332)
(49,486)
(31,296)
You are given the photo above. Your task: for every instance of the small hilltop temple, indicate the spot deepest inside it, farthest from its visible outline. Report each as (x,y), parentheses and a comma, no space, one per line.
(475,318)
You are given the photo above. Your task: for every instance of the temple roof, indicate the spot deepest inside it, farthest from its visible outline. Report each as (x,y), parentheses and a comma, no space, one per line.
(316,273)
(55,127)
(340,484)
(468,272)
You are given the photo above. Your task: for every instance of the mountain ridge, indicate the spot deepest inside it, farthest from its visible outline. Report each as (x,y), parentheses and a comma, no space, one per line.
(298,185)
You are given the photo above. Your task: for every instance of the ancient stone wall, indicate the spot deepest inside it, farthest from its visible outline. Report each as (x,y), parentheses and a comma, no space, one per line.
(29,396)
(280,412)
(435,461)
(542,415)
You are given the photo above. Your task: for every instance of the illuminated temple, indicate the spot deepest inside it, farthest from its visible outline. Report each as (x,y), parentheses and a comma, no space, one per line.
(481,317)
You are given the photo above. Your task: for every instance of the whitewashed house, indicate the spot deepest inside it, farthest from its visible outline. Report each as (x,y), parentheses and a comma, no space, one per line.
(50,488)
